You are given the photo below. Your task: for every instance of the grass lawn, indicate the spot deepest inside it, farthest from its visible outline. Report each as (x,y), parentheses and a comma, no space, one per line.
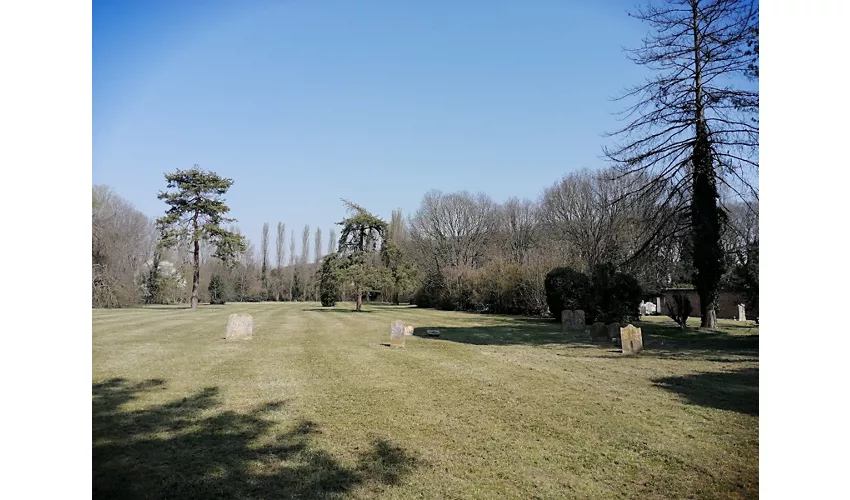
(497,407)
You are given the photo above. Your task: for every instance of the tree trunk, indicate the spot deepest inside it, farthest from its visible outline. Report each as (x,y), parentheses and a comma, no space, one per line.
(196,274)
(708,313)
(359,300)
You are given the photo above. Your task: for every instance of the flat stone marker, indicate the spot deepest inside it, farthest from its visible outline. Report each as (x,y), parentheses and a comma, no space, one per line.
(397,334)
(239,327)
(599,332)
(631,339)
(408,330)
(432,333)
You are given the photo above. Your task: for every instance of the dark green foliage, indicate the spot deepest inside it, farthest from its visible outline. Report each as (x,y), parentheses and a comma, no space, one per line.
(217,290)
(615,296)
(297,287)
(401,271)
(680,309)
(745,275)
(329,287)
(707,222)
(358,242)
(607,295)
(566,288)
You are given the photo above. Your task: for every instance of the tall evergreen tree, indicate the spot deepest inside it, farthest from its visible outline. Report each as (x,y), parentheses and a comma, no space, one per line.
(264,249)
(197,212)
(361,234)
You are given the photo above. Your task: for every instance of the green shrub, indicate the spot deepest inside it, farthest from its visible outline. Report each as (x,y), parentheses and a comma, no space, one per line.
(615,296)
(567,288)
(329,288)
(607,296)
(217,290)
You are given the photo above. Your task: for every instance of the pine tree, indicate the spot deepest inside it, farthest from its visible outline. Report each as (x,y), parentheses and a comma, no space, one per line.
(197,212)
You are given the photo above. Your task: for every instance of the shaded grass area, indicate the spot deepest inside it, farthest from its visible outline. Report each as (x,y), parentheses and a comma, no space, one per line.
(180,449)
(496,407)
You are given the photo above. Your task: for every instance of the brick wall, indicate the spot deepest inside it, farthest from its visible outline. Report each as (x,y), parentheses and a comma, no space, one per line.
(727,303)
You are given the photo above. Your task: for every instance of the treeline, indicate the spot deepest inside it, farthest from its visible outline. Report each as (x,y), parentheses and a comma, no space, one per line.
(457,251)
(477,255)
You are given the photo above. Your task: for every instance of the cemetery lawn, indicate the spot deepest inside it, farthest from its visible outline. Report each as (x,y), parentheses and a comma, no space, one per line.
(314,406)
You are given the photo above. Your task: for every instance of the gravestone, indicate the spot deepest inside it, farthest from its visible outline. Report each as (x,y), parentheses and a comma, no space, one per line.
(397,334)
(599,332)
(571,320)
(408,330)
(631,339)
(643,309)
(614,332)
(742,312)
(239,327)
(432,333)
(566,320)
(658,304)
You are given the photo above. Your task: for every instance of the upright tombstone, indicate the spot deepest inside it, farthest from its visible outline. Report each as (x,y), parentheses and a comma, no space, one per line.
(599,332)
(566,320)
(614,332)
(578,318)
(631,339)
(658,304)
(397,334)
(643,308)
(239,327)
(572,320)
(742,312)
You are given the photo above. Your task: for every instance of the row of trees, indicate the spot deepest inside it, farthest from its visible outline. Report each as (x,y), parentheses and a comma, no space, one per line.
(456,251)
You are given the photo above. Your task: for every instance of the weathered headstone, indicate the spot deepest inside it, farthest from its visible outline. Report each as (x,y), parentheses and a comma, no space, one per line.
(239,327)
(631,339)
(566,320)
(408,330)
(397,334)
(614,332)
(572,320)
(643,309)
(599,332)
(742,312)
(578,318)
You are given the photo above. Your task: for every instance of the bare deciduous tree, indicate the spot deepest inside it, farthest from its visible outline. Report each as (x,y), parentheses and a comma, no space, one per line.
(695,123)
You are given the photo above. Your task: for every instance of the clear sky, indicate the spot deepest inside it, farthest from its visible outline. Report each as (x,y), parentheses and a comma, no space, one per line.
(306,102)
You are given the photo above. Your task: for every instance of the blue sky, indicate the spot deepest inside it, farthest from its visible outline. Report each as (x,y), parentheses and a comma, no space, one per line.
(306,102)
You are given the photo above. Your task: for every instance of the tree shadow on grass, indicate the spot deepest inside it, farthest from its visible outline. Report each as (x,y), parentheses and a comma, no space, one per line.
(659,340)
(334,310)
(185,449)
(733,390)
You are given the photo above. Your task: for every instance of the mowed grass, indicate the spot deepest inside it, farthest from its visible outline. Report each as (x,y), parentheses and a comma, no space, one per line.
(316,406)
